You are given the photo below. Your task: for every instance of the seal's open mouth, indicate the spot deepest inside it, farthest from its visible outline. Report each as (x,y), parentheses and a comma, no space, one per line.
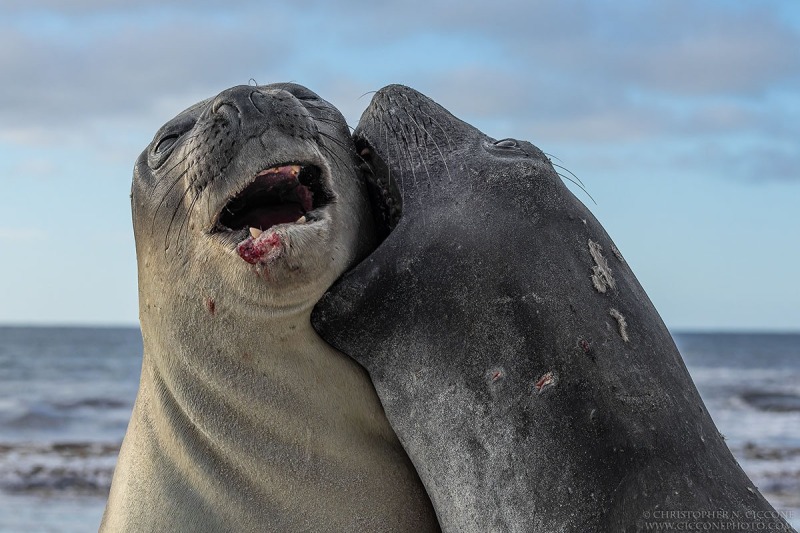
(283,194)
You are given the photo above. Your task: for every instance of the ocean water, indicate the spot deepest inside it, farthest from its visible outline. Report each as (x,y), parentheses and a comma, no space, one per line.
(66,395)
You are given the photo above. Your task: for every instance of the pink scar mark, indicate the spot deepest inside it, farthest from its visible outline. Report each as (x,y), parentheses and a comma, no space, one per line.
(265,248)
(545,381)
(496,375)
(211,305)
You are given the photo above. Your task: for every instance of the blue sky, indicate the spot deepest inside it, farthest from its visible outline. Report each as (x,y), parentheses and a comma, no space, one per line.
(681,117)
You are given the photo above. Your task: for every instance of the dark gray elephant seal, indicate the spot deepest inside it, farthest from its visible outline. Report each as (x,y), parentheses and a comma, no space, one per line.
(523,367)
(246,207)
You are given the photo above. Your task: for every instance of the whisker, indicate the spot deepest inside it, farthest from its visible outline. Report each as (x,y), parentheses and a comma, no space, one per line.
(450,143)
(172,220)
(568,170)
(183,158)
(577,185)
(404,144)
(384,128)
(188,216)
(433,139)
(416,138)
(332,153)
(341,144)
(164,197)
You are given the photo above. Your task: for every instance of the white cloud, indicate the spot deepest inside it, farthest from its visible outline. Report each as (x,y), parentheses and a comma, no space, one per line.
(561,70)
(21,235)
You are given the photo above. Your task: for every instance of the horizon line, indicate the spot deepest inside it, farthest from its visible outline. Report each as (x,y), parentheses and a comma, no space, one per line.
(129,325)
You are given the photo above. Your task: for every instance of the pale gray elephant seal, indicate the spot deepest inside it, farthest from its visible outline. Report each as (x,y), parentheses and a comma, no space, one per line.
(246,207)
(518,359)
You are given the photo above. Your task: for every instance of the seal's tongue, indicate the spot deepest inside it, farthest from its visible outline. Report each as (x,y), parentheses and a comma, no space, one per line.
(262,218)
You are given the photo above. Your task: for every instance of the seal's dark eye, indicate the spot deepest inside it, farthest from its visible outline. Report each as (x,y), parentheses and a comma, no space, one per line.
(166,142)
(173,133)
(506,143)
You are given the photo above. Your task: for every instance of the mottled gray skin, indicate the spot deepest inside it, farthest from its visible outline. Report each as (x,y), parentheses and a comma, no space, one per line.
(523,367)
(245,419)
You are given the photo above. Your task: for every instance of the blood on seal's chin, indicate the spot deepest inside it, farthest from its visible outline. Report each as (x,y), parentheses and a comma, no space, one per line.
(261,249)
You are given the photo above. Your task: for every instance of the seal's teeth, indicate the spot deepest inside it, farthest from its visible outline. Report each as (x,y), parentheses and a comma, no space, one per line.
(255,232)
(292,170)
(301,220)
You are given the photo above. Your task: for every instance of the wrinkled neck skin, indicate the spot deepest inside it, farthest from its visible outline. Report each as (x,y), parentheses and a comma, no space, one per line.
(247,421)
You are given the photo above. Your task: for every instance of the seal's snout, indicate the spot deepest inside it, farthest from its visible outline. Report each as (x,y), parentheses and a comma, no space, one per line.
(254,108)
(247,101)
(243,104)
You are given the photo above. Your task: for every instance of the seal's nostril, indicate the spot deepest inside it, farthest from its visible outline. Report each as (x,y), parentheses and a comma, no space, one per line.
(238,98)
(260,101)
(219,103)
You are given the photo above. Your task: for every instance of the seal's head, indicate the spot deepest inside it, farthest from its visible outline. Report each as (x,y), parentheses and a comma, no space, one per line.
(423,161)
(256,190)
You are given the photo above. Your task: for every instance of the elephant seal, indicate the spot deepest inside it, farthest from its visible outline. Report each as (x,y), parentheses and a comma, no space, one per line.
(527,374)
(246,207)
